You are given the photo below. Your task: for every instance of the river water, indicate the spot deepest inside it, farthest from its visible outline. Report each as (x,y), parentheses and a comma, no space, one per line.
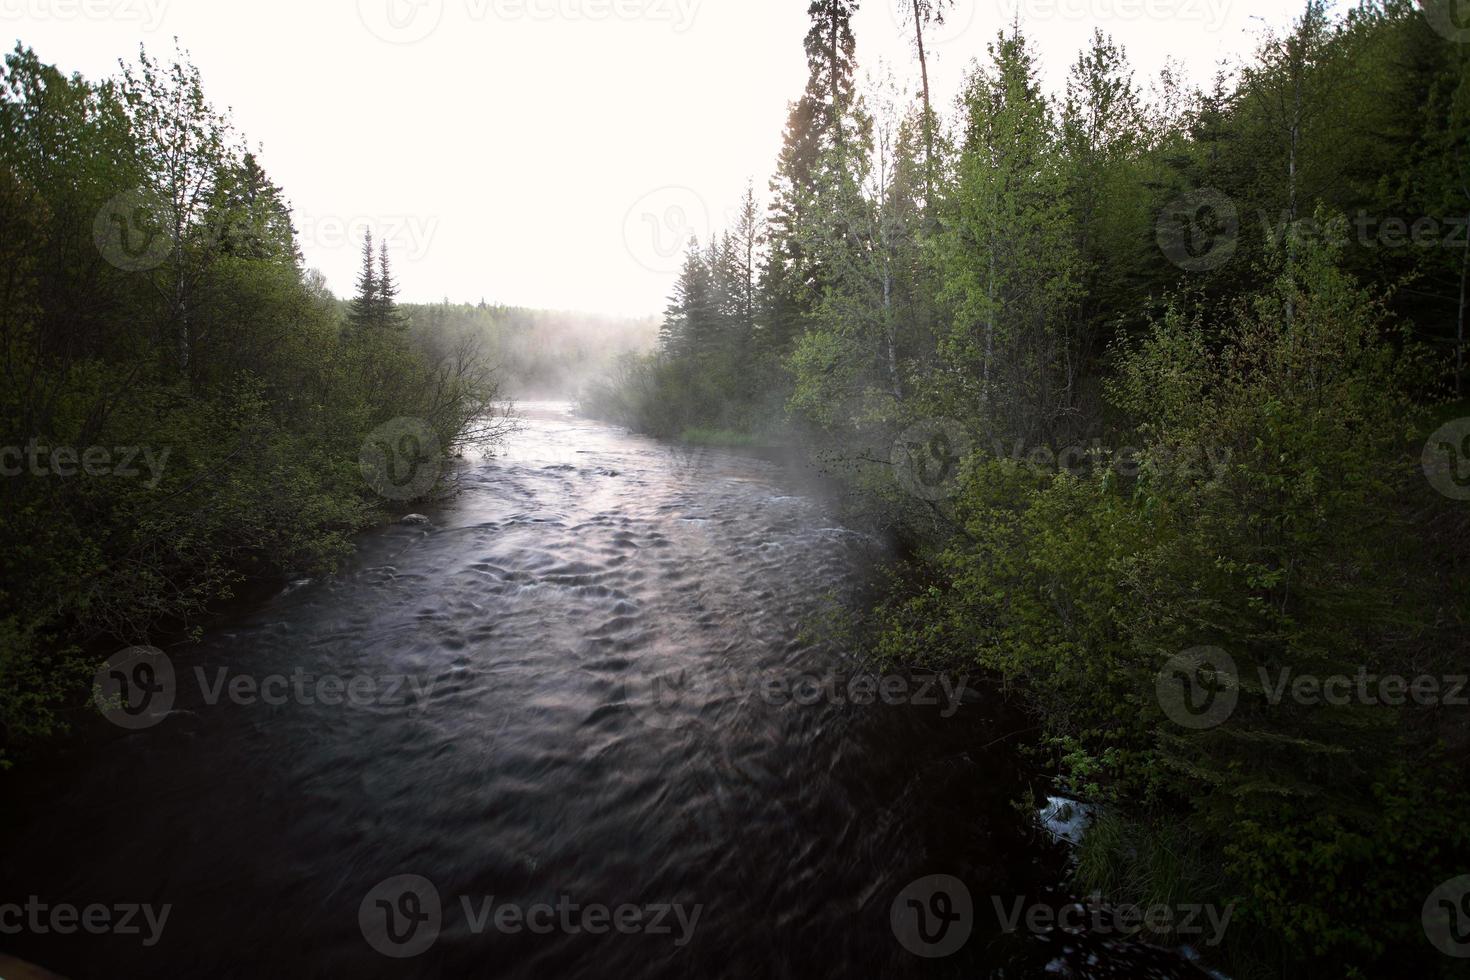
(577,689)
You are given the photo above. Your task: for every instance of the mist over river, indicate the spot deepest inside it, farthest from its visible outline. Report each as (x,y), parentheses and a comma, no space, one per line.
(569,708)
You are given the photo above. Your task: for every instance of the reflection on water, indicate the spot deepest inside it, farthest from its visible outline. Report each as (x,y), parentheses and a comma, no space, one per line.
(560,703)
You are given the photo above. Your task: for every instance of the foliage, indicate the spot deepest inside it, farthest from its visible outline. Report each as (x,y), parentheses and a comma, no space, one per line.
(155,320)
(1017,271)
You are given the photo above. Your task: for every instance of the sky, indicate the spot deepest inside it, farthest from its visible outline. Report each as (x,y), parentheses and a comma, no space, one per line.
(556,153)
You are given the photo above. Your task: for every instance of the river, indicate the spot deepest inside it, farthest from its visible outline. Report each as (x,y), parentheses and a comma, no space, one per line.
(558,731)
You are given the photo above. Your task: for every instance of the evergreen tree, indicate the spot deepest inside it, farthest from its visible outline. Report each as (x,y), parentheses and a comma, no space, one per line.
(1010,259)
(791,283)
(386,305)
(362,314)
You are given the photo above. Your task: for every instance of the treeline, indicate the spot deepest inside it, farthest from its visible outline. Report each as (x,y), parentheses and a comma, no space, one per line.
(184,406)
(1261,286)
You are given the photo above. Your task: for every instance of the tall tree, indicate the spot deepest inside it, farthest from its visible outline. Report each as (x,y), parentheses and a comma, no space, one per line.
(386,304)
(1009,255)
(925,12)
(362,313)
(186,147)
(791,283)
(831,52)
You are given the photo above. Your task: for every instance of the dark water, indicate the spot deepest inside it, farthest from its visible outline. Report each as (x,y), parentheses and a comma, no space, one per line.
(535,759)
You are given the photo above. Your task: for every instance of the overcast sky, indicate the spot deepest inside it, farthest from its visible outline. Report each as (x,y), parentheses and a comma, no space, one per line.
(553,153)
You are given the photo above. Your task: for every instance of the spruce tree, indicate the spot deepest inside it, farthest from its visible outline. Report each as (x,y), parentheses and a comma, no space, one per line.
(387,296)
(791,283)
(362,314)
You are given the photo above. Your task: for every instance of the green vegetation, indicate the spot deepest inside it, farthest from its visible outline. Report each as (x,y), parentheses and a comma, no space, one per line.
(1261,288)
(184,407)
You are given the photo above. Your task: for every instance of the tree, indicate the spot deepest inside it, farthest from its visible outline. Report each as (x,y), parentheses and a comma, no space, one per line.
(1009,256)
(386,305)
(1101,125)
(362,314)
(831,51)
(185,147)
(925,12)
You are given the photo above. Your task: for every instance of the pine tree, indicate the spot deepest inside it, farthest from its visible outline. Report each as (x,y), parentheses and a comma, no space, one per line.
(791,284)
(690,320)
(363,312)
(747,238)
(831,53)
(387,315)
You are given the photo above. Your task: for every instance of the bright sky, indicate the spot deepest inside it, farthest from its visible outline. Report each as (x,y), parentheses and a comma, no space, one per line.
(553,153)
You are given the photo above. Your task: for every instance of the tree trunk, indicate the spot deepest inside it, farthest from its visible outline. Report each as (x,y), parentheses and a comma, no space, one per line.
(928,110)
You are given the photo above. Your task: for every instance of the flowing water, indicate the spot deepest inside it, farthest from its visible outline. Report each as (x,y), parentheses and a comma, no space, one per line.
(569,693)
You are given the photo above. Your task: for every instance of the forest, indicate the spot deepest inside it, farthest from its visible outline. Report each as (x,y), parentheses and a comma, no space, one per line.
(1162,387)
(1150,394)
(154,309)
